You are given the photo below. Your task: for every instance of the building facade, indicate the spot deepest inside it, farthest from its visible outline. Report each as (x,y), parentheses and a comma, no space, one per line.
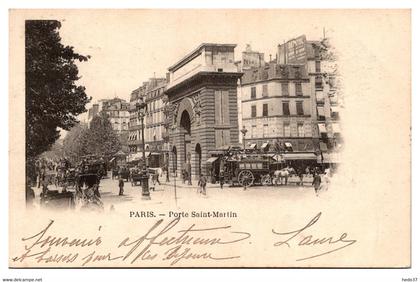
(135,141)
(117,111)
(277,106)
(202,91)
(322,70)
(154,120)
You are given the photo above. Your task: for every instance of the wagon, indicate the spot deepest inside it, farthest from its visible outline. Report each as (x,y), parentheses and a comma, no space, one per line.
(252,171)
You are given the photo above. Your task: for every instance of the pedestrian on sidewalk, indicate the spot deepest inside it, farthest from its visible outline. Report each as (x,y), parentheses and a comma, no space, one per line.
(300,175)
(166,170)
(221,179)
(202,184)
(316,183)
(121,185)
(155,177)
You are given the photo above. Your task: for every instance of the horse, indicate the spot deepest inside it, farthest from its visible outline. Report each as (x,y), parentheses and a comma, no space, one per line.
(283,173)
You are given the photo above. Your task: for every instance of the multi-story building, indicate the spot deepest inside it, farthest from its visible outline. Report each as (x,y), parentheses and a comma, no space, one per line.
(151,92)
(322,75)
(116,110)
(118,115)
(277,106)
(134,136)
(154,120)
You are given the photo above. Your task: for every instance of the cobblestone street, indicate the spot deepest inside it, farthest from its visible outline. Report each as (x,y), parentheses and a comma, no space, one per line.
(188,197)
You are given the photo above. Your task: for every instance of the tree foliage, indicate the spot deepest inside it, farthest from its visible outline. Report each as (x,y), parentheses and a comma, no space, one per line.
(53,100)
(100,139)
(74,144)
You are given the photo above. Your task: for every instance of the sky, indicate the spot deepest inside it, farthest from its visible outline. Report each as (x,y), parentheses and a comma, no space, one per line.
(128,47)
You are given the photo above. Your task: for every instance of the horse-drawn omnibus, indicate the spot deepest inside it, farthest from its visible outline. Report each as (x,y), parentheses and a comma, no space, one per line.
(246,168)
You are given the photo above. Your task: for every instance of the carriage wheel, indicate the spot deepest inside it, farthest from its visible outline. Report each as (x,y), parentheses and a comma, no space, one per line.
(266,180)
(246,178)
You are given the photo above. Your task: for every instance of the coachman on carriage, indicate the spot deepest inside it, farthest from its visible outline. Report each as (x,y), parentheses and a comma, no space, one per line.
(89,174)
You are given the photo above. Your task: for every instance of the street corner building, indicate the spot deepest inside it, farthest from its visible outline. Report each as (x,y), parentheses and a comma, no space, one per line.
(202,90)
(292,100)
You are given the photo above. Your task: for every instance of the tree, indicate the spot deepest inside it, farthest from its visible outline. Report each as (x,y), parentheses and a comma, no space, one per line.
(53,100)
(100,139)
(74,144)
(55,152)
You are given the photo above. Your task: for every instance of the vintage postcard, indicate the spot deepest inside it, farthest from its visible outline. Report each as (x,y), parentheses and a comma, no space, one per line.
(210,138)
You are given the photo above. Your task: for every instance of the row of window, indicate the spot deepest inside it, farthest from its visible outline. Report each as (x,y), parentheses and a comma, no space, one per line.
(284,90)
(117,113)
(285,106)
(154,105)
(155,93)
(116,126)
(154,118)
(286,131)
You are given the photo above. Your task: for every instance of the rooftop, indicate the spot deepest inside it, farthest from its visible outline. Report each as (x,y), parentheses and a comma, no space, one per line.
(195,52)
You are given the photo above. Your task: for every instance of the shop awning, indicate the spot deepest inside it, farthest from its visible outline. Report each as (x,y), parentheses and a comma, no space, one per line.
(265,145)
(321,111)
(329,158)
(300,156)
(212,160)
(138,156)
(134,157)
(278,157)
(336,128)
(322,128)
(253,146)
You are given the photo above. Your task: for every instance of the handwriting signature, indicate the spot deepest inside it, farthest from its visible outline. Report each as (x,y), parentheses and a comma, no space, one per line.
(309,240)
(178,246)
(178,251)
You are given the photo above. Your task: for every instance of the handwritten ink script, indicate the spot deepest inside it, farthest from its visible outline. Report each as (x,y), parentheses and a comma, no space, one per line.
(171,243)
(156,243)
(298,238)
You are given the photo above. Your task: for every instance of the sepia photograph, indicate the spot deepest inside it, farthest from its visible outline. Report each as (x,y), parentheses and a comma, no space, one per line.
(209,138)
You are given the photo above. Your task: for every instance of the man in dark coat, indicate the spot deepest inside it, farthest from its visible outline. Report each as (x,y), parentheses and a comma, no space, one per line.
(121,185)
(316,183)
(222,178)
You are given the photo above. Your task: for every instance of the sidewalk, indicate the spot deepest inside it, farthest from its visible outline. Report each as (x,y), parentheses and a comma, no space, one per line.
(179,184)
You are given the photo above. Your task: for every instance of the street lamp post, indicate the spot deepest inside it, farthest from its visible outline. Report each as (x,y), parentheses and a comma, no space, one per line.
(244,131)
(141,111)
